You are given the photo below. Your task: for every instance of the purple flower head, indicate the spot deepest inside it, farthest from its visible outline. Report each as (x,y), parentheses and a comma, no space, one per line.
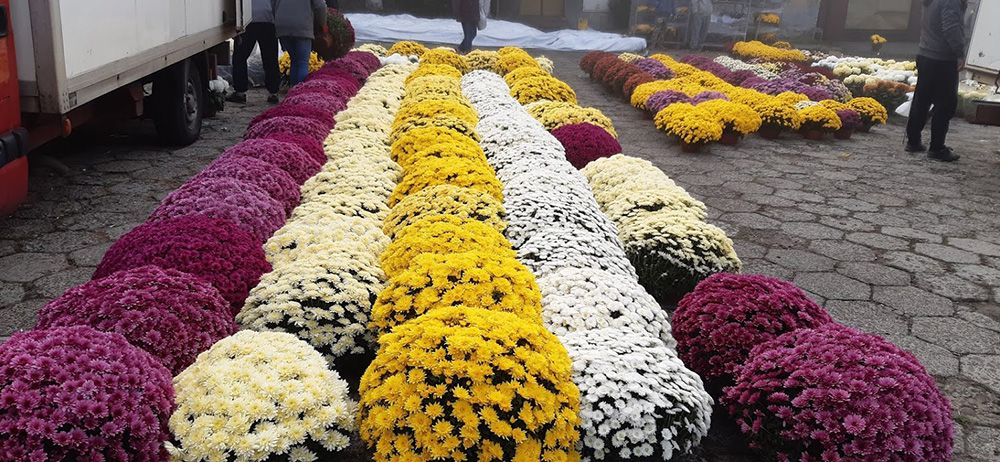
(172,315)
(245,205)
(816,93)
(708,95)
(839,91)
(275,181)
(311,146)
(73,393)
(586,142)
(658,70)
(289,124)
(333,83)
(214,250)
(331,104)
(357,69)
(849,119)
(753,81)
(739,78)
(297,110)
(695,60)
(726,315)
(838,392)
(370,61)
(286,156)
(661,99)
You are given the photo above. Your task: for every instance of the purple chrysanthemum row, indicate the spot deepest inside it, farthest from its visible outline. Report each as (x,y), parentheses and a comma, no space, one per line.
(93,380)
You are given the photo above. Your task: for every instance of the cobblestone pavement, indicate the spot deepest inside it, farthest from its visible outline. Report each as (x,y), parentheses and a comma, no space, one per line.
(890,243)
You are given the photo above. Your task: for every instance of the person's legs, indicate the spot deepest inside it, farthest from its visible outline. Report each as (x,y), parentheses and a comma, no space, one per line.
(269,56)
(469,29)
(697,30)
(298,50)
(706,20)
(945,102)
(921,104)
(243,47)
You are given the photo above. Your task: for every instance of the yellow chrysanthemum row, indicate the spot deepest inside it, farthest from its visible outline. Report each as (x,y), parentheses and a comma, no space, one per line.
(551,101)
(758,50)
(464,367)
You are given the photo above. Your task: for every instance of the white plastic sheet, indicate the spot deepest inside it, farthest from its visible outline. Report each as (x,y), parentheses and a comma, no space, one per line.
(377,28)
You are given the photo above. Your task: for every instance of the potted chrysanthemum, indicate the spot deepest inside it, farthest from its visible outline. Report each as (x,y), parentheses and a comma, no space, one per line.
(817,121)
(693,126)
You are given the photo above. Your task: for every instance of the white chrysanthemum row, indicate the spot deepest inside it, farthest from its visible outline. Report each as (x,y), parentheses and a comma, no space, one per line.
(638,399)
(325,259)
(735,64)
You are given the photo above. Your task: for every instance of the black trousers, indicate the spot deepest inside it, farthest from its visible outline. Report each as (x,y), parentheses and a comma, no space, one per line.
(263,34)
(469,28)
(937,85)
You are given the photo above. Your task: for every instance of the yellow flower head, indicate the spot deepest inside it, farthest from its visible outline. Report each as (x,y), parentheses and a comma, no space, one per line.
(461,383)
(791,97)
(414,111)
(779,113)
(447,121)
(436,86)
(407,48)
(533,89)
(644,91)
(434,69)
(285,63)
(524,72)
(455,171)
(555,114)
(692,124)
(476,279)
(833,104)
(513,60)
(630,57)
(870,110)
(446,57)
(442,234)
(447,200)
(483,60)
(737,117)
(467,149)
(758,50)
(820,117)
(418,139)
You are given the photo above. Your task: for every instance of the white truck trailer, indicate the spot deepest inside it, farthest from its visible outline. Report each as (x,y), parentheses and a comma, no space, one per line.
(81,59)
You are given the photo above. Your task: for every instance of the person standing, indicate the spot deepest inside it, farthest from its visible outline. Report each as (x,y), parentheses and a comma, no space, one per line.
(295,22)
(467,13)
(940,58)
(699,17)
(261,32)
(333,4)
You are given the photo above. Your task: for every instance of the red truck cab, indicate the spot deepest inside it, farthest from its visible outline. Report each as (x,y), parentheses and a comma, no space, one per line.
(13,138)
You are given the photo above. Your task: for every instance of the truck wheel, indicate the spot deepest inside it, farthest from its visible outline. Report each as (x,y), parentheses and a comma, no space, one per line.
(178,98)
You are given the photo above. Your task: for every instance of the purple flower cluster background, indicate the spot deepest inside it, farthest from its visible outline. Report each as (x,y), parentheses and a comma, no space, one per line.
(92,381)
(585,142)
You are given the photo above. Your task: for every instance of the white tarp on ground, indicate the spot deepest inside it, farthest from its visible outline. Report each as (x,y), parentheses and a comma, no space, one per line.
(377,28)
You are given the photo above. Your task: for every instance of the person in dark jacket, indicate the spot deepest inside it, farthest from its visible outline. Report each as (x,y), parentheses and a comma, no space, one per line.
(261,32)
(467,13)
(295,22)
(941,57)
(333,4)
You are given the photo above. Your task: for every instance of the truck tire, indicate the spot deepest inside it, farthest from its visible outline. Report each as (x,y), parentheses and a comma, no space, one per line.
(178,99)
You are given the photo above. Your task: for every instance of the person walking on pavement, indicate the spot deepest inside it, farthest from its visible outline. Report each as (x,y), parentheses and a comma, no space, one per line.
(699,17)
(260,32)
(467,13)
(940,58)
(295,22)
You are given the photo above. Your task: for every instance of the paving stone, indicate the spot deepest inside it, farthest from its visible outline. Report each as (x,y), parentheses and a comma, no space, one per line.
(953,287)
(847,224)
(984,369)
(980,320)
(912,301)
(937,360)
(957,335)
(10,293)
(788,214)
(90,256)
(833,286)
(958,433)
(767,268)
(8,247)
(946,254)
(752,220)
(911,233)
(979,274)
(811,231)
(881,219)
(913,263)
(873,273)
(799,196)
(54,285)
(854,205)
(824,210)
(984,442)
(976,246)
(878,241)
(734,205)
(20,316)
(63,241)
(842,250)
(867,316)
(971,402)
(122,166)
(799,260)
(27,266)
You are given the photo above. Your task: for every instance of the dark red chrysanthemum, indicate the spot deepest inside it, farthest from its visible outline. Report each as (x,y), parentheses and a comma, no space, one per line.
(297,110)
(603,66)
(214,250)
(245,205)
(288,124)
(835,393)
(330,104)
(73,393)
(636,80)
(312,147)
(586,142)
(726,315)
(171,314)
(275,181)
(589,60)
(286,156)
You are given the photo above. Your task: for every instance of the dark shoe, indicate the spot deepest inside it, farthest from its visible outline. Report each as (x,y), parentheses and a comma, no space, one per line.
(273,98)
(915,147)
(240,98)
(944,154)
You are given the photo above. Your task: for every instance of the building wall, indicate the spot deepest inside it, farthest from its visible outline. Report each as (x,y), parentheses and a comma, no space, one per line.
(798,19)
